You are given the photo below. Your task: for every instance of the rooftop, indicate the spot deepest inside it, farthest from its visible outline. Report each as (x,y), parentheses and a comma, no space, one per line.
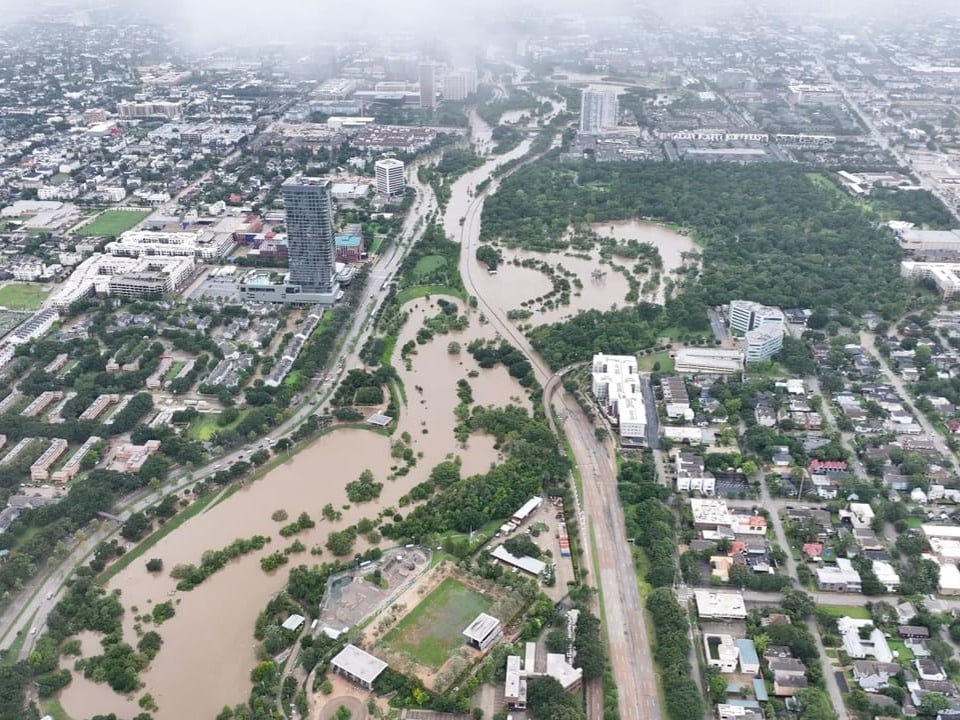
(481,627)
(359,663)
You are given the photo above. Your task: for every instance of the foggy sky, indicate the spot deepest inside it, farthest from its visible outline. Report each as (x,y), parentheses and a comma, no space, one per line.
(202,23)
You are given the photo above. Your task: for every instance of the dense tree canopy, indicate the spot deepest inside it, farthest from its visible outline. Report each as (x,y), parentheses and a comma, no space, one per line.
(769,233)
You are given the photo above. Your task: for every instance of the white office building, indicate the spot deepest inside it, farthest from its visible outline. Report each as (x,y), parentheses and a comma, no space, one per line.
(762,344)
(390,176)
(599,111)
(616,386)
(745,315)
(761,326)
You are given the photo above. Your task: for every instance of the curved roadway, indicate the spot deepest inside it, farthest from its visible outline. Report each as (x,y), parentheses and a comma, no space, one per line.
(605,528)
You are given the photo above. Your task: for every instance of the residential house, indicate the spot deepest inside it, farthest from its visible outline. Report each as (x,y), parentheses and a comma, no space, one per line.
(789,675)
(913,632)
(813,551)
(872,675)
(887,576)
(841,577)
(928,669)
(749,660)
(857,647)
(721,652)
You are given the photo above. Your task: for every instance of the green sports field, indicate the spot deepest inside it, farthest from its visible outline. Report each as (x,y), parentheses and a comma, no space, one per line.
(113,222)
(431,632)
(18,296)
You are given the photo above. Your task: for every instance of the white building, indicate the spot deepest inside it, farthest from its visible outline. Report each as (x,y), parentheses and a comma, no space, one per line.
(721,652)
(886,575)
(945,275)
(762,327)
(762,344)
(95,274)
(949,582)
(359,666)
(723,605)
(745,315)
(483,631)
(390,176)
(599,111)
(875,646)
(616,385)
(202,244)
(839,578)
(709,513)
(692,476)
(708,361)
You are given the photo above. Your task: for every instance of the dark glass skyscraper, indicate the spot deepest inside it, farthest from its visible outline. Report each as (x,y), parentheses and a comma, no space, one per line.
(310,233)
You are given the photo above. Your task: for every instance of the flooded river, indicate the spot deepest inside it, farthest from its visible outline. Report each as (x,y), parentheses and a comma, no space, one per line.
(208,648)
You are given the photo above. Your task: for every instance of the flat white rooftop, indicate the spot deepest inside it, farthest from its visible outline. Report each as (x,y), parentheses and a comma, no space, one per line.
(359,663)
(713,604)
(481,627)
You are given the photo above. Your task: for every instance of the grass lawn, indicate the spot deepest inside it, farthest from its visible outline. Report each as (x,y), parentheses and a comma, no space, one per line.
(904,654)
(16,646)
(914,522)
(18,296)
(377,242)
(430,633)
(414,293)
(113,222)
(646,362)
(54,709)
(174,369)
(427,264)
(853,611)
(205,425)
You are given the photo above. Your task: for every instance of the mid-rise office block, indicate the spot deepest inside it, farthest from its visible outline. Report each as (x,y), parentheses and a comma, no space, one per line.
(390,176)
(599,111)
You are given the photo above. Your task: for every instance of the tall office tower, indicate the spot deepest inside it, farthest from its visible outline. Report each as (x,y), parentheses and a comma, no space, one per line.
(428,92)
(455,86)
(389,173)
(598,111)
(310,233)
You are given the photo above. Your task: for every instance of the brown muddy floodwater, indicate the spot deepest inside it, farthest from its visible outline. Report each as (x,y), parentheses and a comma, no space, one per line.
(671,244)
(208,646)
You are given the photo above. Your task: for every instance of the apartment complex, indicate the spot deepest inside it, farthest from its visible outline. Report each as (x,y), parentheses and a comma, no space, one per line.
(616,386)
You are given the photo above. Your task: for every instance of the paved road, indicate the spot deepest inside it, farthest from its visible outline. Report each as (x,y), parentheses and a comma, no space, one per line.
(868,342)
(625,626)
(926,181)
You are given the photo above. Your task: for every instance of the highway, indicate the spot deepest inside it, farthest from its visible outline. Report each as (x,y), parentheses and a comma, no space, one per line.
(29,610)
(604,527)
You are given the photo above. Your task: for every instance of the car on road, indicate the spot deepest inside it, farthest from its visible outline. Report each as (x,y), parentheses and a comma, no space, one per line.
(50,595)
(33,631)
